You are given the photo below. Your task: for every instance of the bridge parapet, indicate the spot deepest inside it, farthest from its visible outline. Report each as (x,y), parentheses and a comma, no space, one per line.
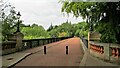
(11,46)
(106,51)
(8,47)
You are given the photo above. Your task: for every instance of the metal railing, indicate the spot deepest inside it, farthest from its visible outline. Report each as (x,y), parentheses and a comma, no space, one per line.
(27,44)
(85,41)
(8,45)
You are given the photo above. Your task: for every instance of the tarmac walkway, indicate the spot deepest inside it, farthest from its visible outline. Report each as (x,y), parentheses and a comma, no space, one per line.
(56,56)
(12,59)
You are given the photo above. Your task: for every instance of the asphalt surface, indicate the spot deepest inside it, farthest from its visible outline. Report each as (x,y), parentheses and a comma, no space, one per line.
(56,55)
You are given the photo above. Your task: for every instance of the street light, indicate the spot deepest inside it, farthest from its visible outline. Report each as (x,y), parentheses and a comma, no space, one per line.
(89,20)
(71,33)
(18,27)
(90,23)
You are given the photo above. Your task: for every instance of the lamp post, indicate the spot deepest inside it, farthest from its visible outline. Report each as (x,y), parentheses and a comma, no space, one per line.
(89,20)
(90,23)
(18,23)
(71,33)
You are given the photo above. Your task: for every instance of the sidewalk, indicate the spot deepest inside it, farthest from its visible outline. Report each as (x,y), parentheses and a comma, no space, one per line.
(12,59)
(89,60)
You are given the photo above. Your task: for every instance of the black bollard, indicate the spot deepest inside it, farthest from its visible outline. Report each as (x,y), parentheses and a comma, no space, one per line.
(66,50)
(44,49)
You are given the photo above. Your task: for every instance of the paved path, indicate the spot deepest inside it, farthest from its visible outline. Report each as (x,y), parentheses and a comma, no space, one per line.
(18,56)
(56,55)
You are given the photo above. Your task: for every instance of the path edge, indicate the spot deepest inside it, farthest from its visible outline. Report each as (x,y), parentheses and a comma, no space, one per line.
(83,61)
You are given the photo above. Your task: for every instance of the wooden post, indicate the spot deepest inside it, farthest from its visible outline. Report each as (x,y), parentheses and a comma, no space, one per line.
(66,50)
(44,49)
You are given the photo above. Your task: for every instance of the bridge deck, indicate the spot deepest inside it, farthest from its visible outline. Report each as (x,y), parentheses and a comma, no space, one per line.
(56,55)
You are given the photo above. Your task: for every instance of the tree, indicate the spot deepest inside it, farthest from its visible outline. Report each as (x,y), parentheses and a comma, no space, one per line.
(108,33)
(50,28)
(34,31)
(63,30)
(81,29)
(33,25)
(9,21)
(96,13)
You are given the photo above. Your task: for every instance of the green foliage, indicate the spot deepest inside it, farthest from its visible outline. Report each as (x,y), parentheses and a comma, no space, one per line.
(98,12)
(34,31)
(9,21)
(108,33)
(50,28)
(84,9)
(65,29)
(63,34)
(68,29)
(81,29)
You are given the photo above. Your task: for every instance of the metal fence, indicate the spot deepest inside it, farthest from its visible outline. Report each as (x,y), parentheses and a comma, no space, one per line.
(10,46)
(30,43)
(85,41)
(39,42)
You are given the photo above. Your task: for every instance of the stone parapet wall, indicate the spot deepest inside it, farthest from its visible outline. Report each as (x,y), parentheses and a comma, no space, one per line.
(106,51)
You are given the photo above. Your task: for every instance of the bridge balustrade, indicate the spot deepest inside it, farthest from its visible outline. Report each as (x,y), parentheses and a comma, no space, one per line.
(106,51)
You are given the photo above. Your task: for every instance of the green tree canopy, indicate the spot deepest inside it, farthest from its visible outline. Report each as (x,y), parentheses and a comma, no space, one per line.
(9,20)
(65,29)
(81,29)
(34,31)
(94,11)
(97,13)
(50,28)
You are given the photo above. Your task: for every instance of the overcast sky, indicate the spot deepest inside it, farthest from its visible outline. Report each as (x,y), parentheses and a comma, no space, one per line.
(42,12)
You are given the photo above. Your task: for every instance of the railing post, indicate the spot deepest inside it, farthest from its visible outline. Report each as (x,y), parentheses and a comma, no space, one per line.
(89,41)
(117,55)
(43,41)
(48,41)
(51,40)
(107,52)
(54,39)
(30,44)
(38,43)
